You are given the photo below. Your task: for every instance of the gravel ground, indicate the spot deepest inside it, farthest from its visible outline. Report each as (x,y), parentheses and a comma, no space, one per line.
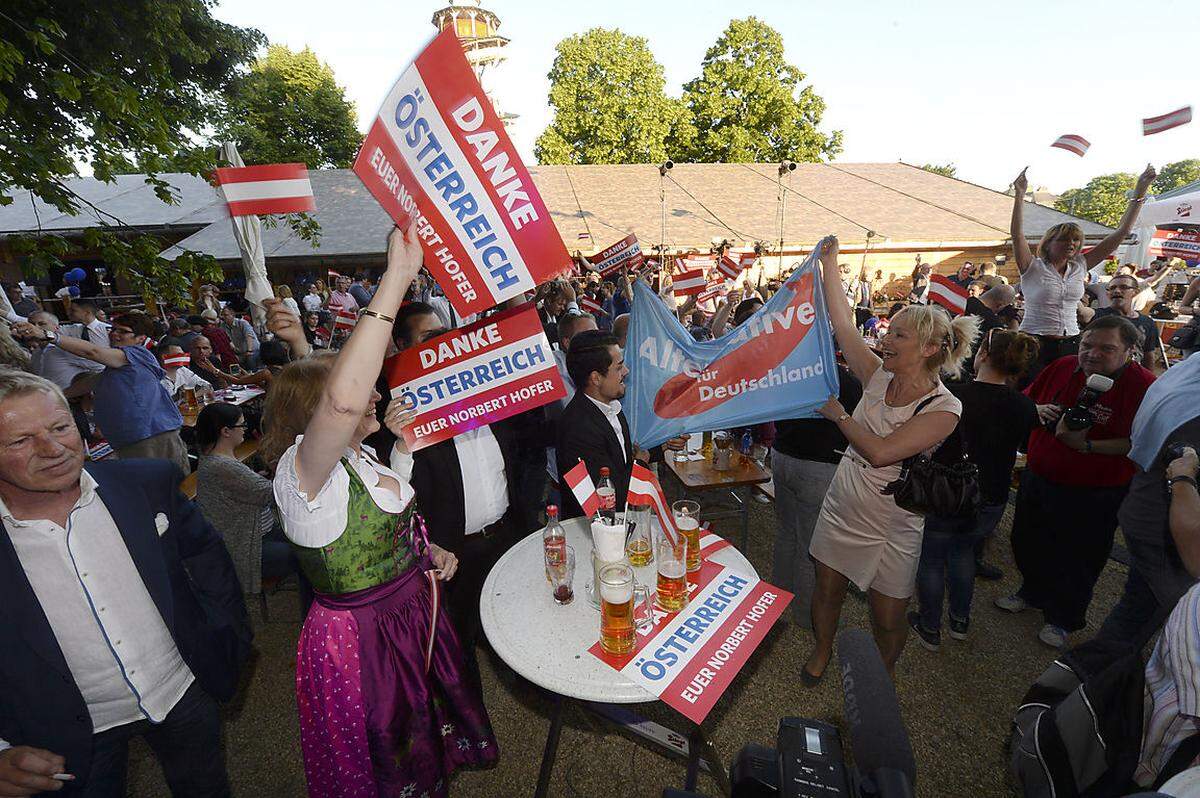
(957,704)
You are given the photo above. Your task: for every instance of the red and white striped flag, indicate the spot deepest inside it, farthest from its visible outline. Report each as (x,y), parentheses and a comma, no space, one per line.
(332,277)
(591,305)
(1157,124)
(689,282)
(1072,143)
(644,489)
(266,189)
(714,289)
(730,267)
(947,293)
(345,319)
(580,482)
(583,236)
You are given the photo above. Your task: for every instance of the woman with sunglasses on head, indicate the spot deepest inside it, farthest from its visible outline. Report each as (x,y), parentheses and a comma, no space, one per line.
(996,419)
(1053,276)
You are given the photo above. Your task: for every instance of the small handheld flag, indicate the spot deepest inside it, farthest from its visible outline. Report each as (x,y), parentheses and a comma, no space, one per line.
(689,282)
(1157,124)
(730,267)
(591,305)
(580,482)
(947,293)
(644,489)
(1072,143)
(267,189)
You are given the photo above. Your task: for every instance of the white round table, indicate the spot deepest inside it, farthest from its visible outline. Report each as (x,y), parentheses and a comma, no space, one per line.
(548,643)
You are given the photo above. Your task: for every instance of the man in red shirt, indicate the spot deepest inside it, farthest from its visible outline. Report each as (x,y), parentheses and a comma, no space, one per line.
(1066,512)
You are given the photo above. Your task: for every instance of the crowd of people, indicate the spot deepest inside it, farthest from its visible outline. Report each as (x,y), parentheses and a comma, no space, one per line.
(124,602)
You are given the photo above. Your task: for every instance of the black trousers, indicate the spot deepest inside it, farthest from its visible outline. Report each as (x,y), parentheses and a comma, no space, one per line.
(476,556)
(187,745)
(1061,538)
(1051,350)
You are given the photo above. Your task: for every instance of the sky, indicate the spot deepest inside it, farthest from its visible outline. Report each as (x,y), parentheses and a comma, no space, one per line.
(986,86)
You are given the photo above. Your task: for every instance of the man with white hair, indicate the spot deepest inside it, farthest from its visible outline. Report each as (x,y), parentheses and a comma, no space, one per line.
(57,364)
(120,612)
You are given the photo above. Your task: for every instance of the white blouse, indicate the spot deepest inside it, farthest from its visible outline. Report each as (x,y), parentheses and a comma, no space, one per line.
(1051,298)
(322,520)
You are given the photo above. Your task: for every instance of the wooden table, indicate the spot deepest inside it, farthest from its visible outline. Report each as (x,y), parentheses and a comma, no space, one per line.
(699,476)
(239,397)
(244,451)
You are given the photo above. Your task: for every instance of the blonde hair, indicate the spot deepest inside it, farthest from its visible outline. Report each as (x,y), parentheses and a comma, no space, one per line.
(283,291)
(12,354)
(1060,230)
(291,401)
(953,337)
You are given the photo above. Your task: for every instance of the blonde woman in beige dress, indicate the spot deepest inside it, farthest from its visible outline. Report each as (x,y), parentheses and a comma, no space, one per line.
(861,536)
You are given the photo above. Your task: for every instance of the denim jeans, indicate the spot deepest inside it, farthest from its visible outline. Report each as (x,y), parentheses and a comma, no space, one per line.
(800,488)
(948,563)
(187,744)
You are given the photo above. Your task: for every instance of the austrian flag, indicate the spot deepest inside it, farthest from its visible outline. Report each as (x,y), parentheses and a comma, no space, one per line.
(580,482)
(947,293)
(1072,143)
(268,189)
(644,489)
(730,267)
(591,305)
(689,282)
(1157,124)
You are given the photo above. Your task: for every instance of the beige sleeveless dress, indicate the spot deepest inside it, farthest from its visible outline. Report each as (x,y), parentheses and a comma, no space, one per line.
(861,533)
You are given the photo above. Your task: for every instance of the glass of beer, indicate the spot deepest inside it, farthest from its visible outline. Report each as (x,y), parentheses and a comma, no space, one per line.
(638,546)
(618,608)
(687,521)
(671,559)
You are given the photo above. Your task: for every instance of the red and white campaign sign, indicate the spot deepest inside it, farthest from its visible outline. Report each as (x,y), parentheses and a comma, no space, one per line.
(689,658)
(266,189)
(625,253)
(438,153)
(475,375)
(1176,244)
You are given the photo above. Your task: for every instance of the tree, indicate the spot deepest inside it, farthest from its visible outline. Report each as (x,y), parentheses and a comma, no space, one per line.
(288,108)
(747,104)
(104,86)
(1102,200)
(607,92)
(1175,175)
(945,170)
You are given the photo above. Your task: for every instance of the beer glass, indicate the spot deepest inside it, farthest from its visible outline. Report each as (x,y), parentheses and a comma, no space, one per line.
(638,546)
(618,608)
(671,559)
(687,521)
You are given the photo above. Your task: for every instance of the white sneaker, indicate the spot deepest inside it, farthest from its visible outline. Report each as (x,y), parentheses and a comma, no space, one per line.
(1013,603)
(1053,636)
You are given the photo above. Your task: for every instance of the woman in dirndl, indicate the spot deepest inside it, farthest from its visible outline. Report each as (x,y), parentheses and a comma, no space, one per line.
(386,705)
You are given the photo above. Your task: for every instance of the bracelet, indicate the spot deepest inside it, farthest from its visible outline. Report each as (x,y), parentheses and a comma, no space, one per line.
(842,418)
(378,315)
(1183,478)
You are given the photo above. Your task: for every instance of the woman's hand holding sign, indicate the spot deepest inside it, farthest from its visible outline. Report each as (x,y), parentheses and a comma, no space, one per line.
(399,415)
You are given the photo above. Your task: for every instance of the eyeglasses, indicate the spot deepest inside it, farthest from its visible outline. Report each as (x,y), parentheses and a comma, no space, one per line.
(122,331)
(243,425)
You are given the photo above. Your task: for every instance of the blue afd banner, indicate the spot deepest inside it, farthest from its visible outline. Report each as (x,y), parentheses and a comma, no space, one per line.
(778,364)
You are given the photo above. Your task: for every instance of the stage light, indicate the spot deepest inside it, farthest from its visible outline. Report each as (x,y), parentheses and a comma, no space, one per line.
(666,167)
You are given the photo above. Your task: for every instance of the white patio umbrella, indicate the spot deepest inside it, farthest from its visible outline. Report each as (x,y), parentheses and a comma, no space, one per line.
(247,230)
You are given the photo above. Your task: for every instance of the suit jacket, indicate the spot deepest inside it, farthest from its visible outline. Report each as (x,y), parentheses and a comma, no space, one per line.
(437,481)
(188,574)
(584,433)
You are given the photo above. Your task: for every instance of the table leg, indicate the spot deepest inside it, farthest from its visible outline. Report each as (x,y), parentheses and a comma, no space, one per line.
(701,748)
(548,756)
(745,501)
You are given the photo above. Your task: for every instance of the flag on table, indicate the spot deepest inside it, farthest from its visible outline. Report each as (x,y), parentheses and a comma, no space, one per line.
(1072,143)
(345,320)
(267,189)
(1157,124)
(947,293)
(689,282)
(644,489)
(591,305)
(580,482)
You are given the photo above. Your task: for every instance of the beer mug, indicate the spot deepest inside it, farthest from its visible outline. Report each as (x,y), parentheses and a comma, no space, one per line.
(618,608)
(723,451)
(687,520)
(638,546)
(671,559)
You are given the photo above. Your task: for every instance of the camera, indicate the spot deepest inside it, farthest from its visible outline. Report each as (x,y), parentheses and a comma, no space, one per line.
(1174,451)
(1079,415)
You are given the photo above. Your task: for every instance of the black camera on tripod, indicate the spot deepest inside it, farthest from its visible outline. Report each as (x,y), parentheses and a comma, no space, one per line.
(1079,415)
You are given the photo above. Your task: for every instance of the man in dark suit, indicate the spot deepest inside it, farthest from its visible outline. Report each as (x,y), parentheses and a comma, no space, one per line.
(120,613)
(592,428)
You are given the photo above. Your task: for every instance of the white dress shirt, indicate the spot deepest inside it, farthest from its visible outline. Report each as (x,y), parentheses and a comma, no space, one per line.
(485,487)
(183,377)
(98,332)
(111,634)
(1052,298)
(612,412)
(322,520)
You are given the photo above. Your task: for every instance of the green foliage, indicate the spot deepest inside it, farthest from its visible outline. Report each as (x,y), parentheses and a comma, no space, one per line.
(1102,200)
(1175,175)
(747,104)
(945,170)
(290,108)
(607,92)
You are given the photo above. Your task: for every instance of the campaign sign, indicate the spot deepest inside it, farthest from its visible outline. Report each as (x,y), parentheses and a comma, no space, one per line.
(689,658)
(1183,244)
(778,364)
(625,252)
(438,153)
(475,375)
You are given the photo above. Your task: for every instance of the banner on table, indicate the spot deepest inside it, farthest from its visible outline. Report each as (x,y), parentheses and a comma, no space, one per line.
(689,658)
(625,253)
(438,153)
(778,364)
(1176,244)
(475,375)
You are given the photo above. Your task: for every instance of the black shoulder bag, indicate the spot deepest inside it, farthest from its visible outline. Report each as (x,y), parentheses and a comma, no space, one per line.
(927,487)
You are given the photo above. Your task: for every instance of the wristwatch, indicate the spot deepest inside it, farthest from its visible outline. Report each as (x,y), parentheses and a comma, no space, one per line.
(842,418)
(49,336)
